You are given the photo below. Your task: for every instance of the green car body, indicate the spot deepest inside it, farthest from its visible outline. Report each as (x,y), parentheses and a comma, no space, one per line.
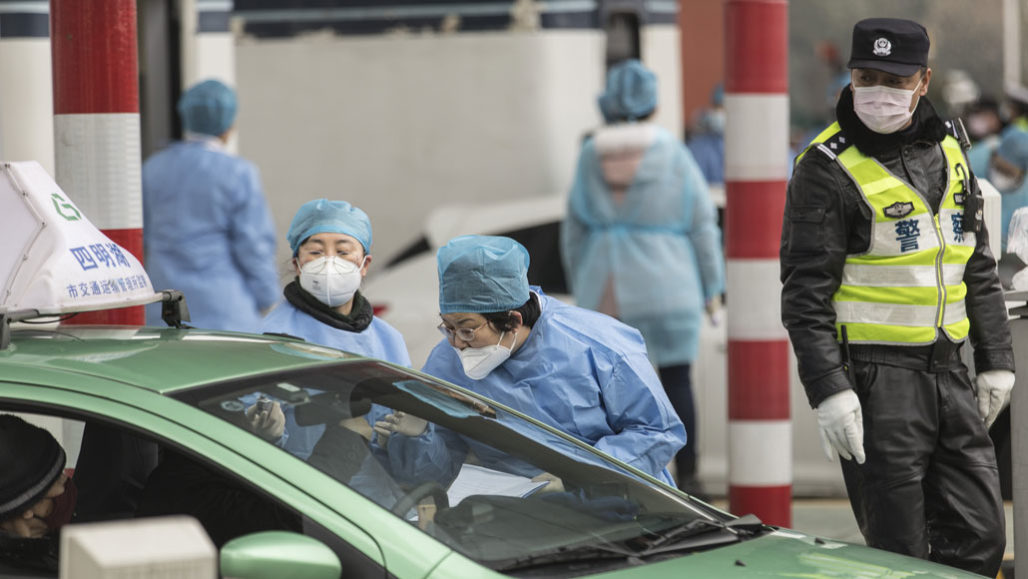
(142,378)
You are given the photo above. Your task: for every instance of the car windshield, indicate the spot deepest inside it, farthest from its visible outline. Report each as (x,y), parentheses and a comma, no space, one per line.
(492,485)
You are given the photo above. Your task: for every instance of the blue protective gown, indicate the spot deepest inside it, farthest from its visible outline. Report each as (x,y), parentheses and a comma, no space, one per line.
(579,371)
(660,249)
(207,231)
(708,149)
(378,340)
(1011,201)
(979,155)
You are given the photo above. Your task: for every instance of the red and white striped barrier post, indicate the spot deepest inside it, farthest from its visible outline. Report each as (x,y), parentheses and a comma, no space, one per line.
(96,123)
(756,167)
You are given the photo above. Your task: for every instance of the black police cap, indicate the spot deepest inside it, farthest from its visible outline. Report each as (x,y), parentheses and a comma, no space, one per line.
(892,45)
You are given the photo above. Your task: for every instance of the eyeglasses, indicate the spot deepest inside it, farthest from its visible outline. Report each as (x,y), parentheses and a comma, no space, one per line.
(465,334)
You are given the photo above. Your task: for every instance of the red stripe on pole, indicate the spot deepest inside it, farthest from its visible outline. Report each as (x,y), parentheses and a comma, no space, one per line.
(130,239)
(756,47)
(94,54)
(753,221)
(758,379)
(772,504)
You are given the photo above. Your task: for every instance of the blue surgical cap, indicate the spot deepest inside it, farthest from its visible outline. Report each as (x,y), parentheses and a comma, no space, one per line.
(324,216)
(207,108)
(1014,148)
(717,96)
(631,92)
(481,274)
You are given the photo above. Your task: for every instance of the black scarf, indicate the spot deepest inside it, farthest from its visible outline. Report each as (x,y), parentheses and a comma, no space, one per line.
(925,126)
(359,319)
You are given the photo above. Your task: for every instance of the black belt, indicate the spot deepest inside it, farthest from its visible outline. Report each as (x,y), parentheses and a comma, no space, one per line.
(942,356)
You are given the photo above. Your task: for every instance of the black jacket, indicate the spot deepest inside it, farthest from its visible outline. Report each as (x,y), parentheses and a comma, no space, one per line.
(826,219)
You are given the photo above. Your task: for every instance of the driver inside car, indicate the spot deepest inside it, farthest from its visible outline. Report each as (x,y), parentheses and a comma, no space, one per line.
(36,496)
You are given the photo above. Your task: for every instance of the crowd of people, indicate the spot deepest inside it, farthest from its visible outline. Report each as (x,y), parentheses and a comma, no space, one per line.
(876,200)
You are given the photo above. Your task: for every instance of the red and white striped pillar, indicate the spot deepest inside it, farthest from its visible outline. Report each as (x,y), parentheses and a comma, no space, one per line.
(756,169)
(96,123)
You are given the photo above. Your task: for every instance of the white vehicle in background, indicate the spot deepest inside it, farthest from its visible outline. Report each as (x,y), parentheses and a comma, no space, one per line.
(405,293)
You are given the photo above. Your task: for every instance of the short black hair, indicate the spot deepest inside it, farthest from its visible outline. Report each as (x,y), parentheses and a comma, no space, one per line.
(529,311)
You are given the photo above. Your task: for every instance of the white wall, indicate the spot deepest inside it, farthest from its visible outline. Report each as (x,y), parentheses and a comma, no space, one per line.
(400,123)
(26,102)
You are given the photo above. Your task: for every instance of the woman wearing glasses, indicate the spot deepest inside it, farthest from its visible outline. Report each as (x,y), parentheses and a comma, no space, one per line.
(580,371)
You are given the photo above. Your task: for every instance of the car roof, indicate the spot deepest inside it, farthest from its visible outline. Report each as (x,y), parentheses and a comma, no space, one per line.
(162,360)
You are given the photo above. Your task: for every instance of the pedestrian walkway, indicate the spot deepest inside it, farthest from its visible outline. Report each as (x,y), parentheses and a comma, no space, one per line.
(833,519)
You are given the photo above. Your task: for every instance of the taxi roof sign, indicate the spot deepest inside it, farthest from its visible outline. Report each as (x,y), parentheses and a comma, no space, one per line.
(53,260)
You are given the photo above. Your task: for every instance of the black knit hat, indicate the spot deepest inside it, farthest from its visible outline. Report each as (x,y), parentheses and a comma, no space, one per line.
(893,45)
(31,461)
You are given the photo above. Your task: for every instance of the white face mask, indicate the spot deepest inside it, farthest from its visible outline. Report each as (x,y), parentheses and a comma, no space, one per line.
(479,362)
(883,109)
(1003,182)
(332,280)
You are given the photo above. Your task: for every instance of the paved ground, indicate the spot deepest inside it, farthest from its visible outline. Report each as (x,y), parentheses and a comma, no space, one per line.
(833,519)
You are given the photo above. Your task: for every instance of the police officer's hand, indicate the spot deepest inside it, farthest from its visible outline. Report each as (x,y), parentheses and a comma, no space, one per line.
(842,425)
(993,388)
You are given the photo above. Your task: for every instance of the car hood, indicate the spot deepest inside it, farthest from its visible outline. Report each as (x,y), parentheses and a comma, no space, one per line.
(783,553)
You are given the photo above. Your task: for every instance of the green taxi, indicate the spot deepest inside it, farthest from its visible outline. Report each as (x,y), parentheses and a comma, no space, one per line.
(381,515)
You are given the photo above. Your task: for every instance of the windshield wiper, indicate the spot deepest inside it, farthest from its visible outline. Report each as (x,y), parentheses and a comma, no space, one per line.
(591,552)
(700,533)
(695,534)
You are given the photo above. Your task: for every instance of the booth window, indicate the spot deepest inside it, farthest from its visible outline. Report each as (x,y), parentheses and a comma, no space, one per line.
(622,29)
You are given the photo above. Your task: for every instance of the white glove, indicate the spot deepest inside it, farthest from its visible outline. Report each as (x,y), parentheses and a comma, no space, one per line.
(713,309)
(993,388)
(401,423)
(842,425)
(270,424)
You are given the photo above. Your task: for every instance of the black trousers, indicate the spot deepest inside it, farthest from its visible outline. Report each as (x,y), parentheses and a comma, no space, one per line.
(930,485)
(678,386)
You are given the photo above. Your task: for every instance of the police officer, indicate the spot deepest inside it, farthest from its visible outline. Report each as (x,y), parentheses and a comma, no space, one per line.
(886,273)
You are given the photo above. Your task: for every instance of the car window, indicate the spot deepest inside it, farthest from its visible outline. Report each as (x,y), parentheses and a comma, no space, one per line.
(116,472)
(475,476)
(545,269)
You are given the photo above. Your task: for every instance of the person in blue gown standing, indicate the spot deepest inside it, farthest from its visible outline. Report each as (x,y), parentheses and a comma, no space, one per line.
(207,230)
(640,240)
(1006,171)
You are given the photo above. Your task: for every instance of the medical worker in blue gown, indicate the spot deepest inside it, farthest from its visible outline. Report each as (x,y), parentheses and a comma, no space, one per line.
(640,240)
(580,371)
(207,230)
(1007,167)
(331,243)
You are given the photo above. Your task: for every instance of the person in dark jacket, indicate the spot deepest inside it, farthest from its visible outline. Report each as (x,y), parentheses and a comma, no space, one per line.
(886,273)
(36,497)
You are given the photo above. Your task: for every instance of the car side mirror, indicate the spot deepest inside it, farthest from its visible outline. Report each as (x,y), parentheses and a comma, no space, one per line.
(276,554)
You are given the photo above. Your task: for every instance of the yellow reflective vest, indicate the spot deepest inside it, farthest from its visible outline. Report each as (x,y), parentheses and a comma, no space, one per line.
(910,281)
